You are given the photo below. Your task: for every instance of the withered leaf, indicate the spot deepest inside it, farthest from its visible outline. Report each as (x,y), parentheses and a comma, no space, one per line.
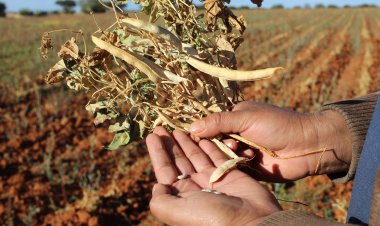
(235,40)
(103,110)
(226,52)
(56,73)
(97,56)
(213,9)
(239,23)
(46,45)
(69,50)
(92,108)
(141,129)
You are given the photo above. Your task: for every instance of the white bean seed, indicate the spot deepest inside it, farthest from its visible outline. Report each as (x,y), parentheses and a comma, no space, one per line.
(182,176)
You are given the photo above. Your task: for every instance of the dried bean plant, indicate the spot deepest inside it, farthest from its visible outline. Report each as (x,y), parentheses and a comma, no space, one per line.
(141,75)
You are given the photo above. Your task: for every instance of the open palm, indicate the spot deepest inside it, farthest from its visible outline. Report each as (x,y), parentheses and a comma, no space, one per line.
(181,202)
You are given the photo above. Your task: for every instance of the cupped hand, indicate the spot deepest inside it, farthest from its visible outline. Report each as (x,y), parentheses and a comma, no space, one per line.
(288,134)
(243,201)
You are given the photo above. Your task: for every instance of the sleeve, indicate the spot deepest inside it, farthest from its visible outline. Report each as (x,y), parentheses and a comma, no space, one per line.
(296,218)
(357,113)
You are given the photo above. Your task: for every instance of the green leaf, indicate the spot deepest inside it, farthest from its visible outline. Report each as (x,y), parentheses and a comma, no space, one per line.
(101,117)
(117,127)
(119,139)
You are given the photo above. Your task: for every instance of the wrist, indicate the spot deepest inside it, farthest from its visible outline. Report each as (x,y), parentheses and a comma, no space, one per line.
(334,137)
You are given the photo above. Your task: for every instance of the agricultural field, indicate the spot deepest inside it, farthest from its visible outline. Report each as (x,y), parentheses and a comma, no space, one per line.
(54,168)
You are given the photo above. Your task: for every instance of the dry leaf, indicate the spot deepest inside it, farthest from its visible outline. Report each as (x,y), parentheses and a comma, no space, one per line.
(56,73)
(98,56)
(46,45)
(226,53)
(69,50)
(213,9)
(239,23)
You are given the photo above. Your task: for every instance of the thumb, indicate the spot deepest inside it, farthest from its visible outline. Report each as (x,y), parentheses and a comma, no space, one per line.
(221,122)
(163,203)
(160,189)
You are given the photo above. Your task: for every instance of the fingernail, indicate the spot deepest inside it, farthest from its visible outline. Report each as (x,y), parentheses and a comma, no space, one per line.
(231,145)
(198,126)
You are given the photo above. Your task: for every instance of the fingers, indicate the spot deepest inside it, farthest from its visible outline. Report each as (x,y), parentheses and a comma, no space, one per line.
(216,156)
(164,169)
(197,157)
(234,146)
(221,122)
(231,143)
(247,153)
(175,152)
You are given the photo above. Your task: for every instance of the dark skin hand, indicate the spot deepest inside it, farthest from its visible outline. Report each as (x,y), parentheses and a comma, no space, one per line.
(181,202)
(287,133)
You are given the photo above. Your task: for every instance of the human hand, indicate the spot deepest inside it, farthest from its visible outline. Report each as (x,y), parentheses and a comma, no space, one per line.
(287,133)
(181,202)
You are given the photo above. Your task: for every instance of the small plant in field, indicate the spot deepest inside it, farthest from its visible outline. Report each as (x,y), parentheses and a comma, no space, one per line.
(141,75)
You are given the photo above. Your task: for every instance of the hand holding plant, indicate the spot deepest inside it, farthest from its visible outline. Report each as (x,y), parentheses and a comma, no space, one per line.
(287,134)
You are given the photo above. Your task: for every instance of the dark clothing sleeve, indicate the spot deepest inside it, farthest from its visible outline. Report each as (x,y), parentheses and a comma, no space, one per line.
(357,113)
(296,218)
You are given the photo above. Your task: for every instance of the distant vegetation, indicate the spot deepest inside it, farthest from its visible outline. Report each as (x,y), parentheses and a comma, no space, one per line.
(367,6)
(332,6)
(88,6)
(67,5)
(41,13)
(28,12)
(278,6)
(319,6)
(241,7)
(3,7)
